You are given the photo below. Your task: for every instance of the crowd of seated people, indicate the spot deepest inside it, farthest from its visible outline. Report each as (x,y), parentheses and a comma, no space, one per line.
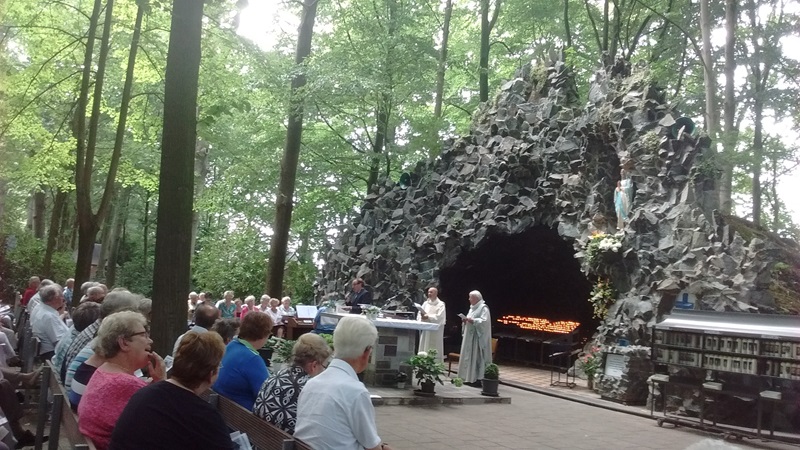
(125,398)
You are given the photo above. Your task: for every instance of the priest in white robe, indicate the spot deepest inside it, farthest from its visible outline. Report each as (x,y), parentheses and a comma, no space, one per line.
(476,346)
(433,312)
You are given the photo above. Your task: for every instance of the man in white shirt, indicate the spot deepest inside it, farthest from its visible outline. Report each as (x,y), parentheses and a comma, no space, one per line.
(334,411)
(36,300)
(433,312)
(46,320)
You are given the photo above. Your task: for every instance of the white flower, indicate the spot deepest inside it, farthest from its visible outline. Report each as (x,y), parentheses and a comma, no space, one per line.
(422,354)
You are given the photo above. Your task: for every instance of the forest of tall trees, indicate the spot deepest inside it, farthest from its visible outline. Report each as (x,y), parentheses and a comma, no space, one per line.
(293,126)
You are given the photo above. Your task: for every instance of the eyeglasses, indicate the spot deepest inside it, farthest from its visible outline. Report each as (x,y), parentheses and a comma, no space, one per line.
(145,333)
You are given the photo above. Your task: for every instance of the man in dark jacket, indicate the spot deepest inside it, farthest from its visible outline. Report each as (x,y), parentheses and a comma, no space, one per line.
(359,296)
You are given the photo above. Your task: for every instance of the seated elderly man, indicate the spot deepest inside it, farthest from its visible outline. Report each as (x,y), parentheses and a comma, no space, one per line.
(84,315)
(94,294)
(46,321)
(118,300)
(36,300)
(334,411)
(204,318)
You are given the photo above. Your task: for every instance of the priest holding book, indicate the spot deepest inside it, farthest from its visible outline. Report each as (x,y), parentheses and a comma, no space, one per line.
(432,311)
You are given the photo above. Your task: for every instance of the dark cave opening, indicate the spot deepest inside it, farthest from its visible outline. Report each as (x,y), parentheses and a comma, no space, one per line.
(530,274)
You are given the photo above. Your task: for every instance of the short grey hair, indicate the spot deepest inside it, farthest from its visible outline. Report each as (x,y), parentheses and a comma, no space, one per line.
(117,301)
(45,282)
(264,298)
(50,293)
(250,298)
(145,306)
(353,334)
(476,294)
(85,286)
(95,290)
(118,325)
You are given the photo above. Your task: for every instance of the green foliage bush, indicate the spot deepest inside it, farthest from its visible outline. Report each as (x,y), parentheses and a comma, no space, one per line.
(24,257)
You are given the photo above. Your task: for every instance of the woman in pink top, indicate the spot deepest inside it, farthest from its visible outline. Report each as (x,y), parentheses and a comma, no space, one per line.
(124,342)
(249,305)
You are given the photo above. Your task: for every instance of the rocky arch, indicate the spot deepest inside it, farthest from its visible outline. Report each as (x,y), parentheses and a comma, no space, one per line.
(533,158)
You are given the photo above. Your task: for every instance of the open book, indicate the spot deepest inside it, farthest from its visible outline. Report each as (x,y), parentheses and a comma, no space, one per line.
(461,316)
(419,307)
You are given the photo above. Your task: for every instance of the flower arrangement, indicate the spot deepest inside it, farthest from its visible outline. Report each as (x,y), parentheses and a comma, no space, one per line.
(601,244)
(591,361)
(371,310)
(601,297)
(426,367)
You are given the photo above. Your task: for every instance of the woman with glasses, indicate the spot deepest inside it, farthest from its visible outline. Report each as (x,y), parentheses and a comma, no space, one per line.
(170,415)
(277,400)
(124,344)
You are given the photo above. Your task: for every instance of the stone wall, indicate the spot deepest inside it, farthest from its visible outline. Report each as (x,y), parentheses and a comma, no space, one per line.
(533,158)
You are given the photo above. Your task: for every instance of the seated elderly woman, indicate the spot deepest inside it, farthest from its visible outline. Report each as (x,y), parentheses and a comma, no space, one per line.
(277,400)
(124,343)
(277,319)
(226,328)
(243,371)
(170,415)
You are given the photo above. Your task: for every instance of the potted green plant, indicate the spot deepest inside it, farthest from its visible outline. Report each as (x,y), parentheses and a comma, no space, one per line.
(457,381)
(427,370)
(491,380)
(281,351)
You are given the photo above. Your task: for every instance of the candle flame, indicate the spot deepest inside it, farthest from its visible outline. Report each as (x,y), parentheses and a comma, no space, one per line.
(537,324)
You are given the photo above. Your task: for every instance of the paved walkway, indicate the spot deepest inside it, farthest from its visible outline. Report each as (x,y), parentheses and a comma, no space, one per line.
(552,418)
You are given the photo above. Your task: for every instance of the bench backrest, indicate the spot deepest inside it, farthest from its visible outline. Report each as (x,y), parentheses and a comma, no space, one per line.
(62,417)
(261,433)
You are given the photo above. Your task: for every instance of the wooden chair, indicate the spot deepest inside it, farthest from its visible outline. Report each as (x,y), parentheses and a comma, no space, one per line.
(61,415)
(261,433)
(454,357)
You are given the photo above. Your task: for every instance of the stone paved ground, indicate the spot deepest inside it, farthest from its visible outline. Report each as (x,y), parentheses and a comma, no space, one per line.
(531,421)
(564,419)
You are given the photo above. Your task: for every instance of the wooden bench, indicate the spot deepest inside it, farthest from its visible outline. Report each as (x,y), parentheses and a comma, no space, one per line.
(61,415)
(261,433)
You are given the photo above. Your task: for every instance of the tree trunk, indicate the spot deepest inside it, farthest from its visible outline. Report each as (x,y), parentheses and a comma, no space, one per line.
(105,242)
(120,217)
(291,155)
(730,133)
(39,212)
(53,232)
(708,72)
(172,269)
(483,75)
(146,230)
(759,76)
(65,229)
(200,172)
(379,142)
(442,68)
(711,114)
(87,224)
(606,27)
(567,30)
(3,195)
